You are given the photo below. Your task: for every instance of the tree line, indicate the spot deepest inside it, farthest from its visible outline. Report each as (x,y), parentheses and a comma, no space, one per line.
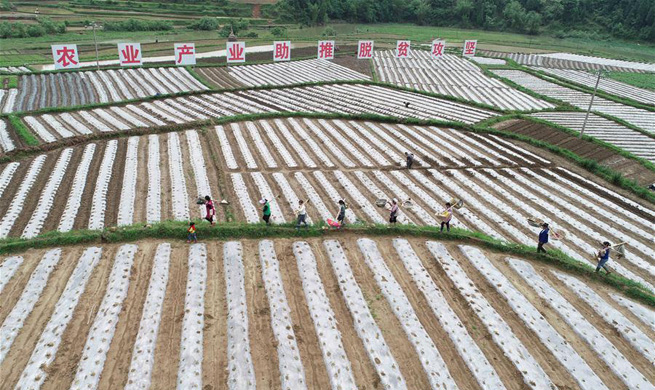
(627,19)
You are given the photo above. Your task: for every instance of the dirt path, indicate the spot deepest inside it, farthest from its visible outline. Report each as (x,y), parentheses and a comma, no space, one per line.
(62,370)
(84,211)
(392,331)
(363,371)
(29,335)
(116,184)
(316,375)
(263,346)
(167,352)
(119,355)
(598,365)
(214,365)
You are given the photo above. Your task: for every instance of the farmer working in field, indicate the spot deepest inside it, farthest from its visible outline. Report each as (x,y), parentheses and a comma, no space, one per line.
(393,212)
(266,211)
(446,215)
(211,210)
(604,257)
(341,216)
(543,238)
(301,212)
(410,159)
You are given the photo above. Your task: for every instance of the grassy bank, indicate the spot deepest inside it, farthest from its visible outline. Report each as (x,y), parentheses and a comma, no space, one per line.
(171,230)
(641,80)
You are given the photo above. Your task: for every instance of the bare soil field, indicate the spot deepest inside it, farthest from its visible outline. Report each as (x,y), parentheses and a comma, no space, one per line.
(147,179)
(628,167)
(285,278)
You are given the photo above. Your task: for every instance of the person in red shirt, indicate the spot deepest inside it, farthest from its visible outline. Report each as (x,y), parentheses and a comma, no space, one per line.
(192,233)
(211,210)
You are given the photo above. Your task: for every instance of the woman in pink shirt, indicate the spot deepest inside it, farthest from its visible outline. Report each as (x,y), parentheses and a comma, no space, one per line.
(211,210)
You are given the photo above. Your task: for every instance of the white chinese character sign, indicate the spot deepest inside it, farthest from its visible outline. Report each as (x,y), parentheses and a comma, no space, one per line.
(438,48)
(129,54)
(403,49)
(365,49)
(236,52)
(325,50)
(185,54)
(281,51)
(469,48)
(65,56)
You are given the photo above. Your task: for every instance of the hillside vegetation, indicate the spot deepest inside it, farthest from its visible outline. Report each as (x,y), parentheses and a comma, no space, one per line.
(627,19)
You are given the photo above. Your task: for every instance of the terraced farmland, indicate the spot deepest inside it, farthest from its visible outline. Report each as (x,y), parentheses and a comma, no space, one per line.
(604,129)
(36,91)
(452,76)
(13,69)
(348,99)
(7,140)
(636,116)
(608,85)
(344,311)
(564,61)
(349,312)
(286,73)
(158,177)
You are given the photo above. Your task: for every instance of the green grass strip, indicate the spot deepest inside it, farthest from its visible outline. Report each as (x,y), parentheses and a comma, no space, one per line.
(176,230)
(22,131)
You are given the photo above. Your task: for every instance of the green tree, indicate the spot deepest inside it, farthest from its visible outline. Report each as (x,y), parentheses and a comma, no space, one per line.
(515,16)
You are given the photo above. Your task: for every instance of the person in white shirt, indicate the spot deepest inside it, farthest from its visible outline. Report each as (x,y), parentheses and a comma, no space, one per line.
(302,214)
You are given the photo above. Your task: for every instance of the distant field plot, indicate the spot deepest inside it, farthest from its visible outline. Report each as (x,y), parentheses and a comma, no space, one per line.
(602,61)
(36,91)
(452,76)
(608,85)
(348,99)
(13,69)
(638,117)
(294,72)
(571,62)
(605,130)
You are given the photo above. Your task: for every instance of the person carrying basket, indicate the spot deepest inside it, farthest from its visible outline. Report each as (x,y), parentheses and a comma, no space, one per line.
(603,256)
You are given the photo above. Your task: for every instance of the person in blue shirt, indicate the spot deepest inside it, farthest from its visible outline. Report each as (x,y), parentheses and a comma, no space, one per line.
(603,257)
(543,238)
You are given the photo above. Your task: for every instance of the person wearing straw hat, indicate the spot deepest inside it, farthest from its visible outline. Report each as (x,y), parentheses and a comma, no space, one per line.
(543,237)
(604,257)
(393,212)
(446,215)
(266,211)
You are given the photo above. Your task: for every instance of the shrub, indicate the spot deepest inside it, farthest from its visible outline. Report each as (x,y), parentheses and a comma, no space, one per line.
(279,32)
(139,25)
(329,32)
(233,25)
(205,24)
